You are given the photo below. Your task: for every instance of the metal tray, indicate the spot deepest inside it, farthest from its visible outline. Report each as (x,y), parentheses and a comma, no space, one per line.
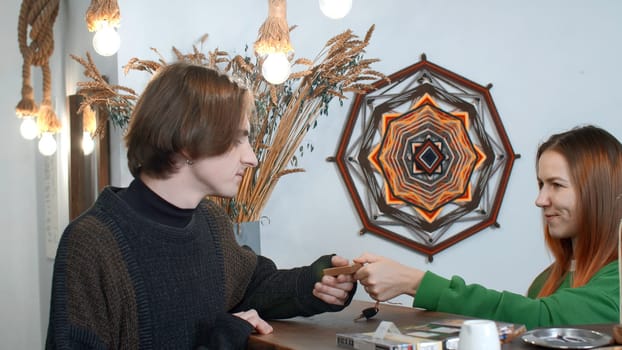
(566,338)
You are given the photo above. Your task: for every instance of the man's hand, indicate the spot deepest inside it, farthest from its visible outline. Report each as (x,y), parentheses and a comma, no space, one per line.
(334,289)
(251,316)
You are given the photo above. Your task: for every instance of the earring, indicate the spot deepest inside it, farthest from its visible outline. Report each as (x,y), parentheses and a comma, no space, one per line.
(189,162)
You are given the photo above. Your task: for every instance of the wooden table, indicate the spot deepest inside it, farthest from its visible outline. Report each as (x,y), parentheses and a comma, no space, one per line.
(319,332)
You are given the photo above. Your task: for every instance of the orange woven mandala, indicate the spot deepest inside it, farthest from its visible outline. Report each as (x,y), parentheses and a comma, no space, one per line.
(425,158)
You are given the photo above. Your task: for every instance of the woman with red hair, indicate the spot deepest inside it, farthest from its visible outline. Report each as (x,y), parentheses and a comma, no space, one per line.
(580,192)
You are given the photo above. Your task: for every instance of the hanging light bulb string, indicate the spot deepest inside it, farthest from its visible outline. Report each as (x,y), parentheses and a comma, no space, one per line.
(102,10)
(89,126)
(273,44)
(89,120)
(102,17)
(273,36)
(47,120)
(39,15)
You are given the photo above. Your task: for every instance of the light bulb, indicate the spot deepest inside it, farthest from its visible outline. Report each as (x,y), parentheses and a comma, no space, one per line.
(335,9)
(47,144)
(276,68)
(106,40)
(28,128)
(88,145)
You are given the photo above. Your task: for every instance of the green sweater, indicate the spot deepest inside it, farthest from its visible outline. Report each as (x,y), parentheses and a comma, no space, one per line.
(596,302)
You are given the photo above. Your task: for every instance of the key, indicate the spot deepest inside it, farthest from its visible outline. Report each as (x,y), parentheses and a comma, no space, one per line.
(345,270)
(368,313)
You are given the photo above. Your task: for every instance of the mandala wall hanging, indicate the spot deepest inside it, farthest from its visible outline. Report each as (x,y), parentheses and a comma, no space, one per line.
(425,158)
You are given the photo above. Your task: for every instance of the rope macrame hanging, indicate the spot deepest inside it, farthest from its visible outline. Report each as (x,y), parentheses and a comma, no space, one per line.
(274,32)
(102,10)
(39,16)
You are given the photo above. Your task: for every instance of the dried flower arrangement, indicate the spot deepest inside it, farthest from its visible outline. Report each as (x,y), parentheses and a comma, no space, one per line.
(285,113)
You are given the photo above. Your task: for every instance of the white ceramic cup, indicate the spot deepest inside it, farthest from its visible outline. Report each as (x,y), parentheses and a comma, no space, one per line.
(479,335)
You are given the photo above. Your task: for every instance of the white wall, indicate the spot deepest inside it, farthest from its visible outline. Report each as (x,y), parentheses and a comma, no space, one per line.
(553,64)
(20,323)
(34,187)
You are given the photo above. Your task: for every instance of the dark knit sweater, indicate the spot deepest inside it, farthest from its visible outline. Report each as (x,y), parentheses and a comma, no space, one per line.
(123,281)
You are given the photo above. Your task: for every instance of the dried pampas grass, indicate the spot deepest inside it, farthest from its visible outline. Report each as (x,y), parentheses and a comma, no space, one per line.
(285,113)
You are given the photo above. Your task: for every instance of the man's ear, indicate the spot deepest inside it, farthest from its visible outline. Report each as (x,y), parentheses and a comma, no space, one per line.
(185,155)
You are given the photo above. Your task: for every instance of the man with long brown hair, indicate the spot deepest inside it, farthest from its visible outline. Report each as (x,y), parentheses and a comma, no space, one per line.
(156,265)
(580,192)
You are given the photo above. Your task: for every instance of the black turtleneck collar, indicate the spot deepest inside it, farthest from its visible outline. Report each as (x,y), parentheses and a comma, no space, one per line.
(147,203)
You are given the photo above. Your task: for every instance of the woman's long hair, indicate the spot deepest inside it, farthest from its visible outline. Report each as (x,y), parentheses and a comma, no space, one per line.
(594,158)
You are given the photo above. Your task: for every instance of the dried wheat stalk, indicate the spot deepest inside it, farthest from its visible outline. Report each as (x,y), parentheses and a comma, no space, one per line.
(117,100)
(285,113)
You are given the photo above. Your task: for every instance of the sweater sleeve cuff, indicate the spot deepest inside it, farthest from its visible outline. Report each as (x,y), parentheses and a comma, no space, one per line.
(306,286)
(318,266)
(428,293)
(228,332)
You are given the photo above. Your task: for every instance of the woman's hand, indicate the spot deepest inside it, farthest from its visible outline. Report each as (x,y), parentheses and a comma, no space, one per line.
(251,316)
(335,290)
(384,279)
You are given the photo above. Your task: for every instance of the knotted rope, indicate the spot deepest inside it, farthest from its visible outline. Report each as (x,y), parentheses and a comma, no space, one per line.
(39,15)
(274,32)
(102,10)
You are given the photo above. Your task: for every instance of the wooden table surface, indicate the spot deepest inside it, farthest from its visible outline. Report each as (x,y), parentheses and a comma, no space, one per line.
(319,331)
